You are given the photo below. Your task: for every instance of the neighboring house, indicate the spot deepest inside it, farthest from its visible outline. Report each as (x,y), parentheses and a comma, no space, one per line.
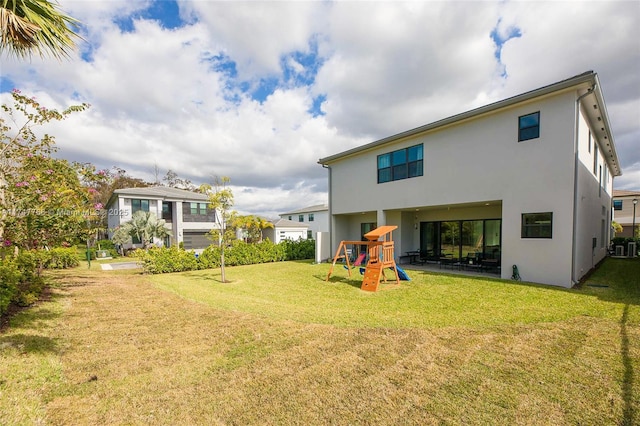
(623,210)
(525,181)
(186,213)
(284,229)
(316,217)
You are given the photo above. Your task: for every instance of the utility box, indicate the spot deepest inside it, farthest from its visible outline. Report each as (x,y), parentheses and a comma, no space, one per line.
(619,250)
(632,251)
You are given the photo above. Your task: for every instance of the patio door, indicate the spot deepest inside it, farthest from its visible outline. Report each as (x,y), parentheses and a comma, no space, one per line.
(450,239)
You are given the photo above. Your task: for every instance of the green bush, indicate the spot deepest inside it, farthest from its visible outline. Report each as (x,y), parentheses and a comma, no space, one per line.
(163,260)
(60,258)
(301,249)
(9,279)
(21,281)
(174,259)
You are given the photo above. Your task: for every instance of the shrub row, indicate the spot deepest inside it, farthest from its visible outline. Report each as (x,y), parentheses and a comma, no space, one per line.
(174,259)
(20,279)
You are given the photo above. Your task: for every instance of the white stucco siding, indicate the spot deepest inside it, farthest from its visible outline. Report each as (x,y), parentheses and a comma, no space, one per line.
(476,161)
(470,162)
(593,214)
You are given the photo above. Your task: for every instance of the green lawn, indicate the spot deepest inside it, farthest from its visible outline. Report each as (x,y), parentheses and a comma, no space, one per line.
(279,345)
(298,291)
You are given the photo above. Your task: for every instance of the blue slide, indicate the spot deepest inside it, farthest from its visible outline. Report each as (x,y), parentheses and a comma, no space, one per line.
(402,274)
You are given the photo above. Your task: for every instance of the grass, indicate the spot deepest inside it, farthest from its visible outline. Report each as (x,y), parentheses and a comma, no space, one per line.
(279,345)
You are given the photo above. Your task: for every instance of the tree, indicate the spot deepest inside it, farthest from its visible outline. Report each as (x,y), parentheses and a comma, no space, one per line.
(52,203)
(252,226)
(617,228)
(26,167)
(143,226)
(221,199)
(174,181)
(39,26)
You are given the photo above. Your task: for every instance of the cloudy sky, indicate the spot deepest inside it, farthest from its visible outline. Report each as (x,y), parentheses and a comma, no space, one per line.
(260,90)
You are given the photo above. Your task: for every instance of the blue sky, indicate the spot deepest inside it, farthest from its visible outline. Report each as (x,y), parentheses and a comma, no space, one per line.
(259,91)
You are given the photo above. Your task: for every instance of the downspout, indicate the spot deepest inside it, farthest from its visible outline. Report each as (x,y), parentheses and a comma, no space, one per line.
(575,185)
(330,205)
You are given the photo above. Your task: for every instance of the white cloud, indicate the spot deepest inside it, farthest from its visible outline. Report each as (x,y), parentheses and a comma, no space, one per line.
(158,96)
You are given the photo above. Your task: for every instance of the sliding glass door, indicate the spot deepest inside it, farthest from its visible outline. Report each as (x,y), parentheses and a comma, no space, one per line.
(461,238)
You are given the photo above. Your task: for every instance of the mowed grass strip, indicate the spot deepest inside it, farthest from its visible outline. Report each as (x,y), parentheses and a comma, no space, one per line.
(298,291)
(263,350)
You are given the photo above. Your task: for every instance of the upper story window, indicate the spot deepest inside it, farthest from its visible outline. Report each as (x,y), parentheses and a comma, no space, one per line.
(198,208)
(137,205)
(290,217)
(529,126)
(401,164)
(310,217)
(300,218)
(537,225)
(595,159)
(617,204)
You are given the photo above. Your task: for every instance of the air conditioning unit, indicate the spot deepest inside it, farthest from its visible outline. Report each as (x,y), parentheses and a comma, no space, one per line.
(632,251)
(619,250)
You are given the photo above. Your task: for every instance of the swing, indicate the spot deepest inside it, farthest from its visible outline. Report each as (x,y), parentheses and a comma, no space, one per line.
(357,262)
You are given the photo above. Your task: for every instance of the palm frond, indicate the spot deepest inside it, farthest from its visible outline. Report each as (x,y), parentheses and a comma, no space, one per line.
(36,26)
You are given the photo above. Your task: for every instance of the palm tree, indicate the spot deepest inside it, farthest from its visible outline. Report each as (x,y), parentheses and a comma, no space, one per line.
(28,26)
(143,226)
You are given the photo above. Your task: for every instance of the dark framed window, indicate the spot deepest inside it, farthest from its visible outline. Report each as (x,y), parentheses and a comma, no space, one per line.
(529,126)
(137,205)
(300,218)
(401,164)
(537,225)
(617,204)
(198,208)
(311,217)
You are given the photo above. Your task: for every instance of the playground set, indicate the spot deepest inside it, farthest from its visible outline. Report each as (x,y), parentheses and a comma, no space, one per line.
(380,254)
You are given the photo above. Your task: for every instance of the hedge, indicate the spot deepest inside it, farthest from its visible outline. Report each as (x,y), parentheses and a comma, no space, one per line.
(175,259)
(21,281)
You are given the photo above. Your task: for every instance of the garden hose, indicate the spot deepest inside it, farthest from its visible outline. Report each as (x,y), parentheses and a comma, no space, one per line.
(516,274)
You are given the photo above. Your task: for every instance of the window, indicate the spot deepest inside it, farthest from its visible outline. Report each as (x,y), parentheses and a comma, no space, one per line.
(589,140)
(537,225)
(310,217)
(309,234)
(137,205)
(300,218)
(198,208)
(529,126)
(401,164)
(290,217)
(600,182)
(595,159)
(617,204)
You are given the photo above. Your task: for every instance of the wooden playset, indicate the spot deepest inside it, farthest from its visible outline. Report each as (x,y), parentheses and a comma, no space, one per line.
(379,252)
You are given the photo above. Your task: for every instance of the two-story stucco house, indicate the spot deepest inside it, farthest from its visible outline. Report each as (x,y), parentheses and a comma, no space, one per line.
(315,217)
(623,211)
(187,214)
(525,181)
